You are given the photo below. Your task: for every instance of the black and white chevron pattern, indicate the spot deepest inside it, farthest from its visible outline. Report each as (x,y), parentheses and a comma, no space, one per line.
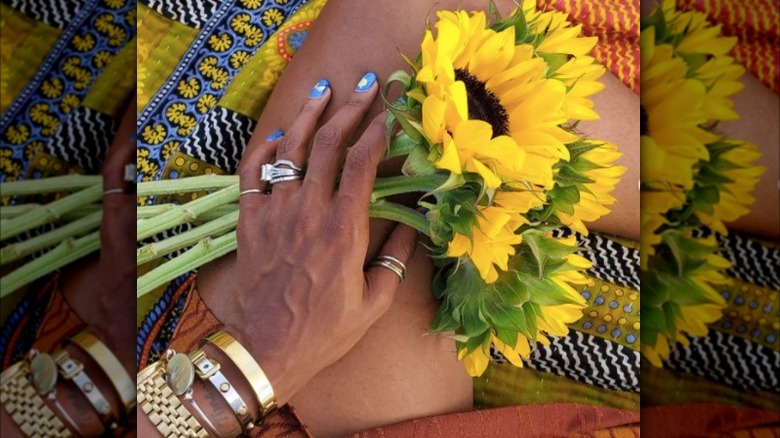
(83,139)
(752,261)
(728,359)
(57,13)
(193,13)
(220,138)
(612,261)
(585,358)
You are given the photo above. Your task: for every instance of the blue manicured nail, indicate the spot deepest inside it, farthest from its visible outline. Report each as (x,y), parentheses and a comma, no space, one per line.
(366,82)
(319,90)
(275,135)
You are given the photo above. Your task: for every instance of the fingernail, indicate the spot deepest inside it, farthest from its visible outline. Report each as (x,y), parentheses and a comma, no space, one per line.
(319,90)
(366,82)
(275,135)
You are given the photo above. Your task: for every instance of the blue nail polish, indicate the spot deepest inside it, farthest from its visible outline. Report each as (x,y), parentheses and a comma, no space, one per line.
(366,82)
(275,135)
(319,90)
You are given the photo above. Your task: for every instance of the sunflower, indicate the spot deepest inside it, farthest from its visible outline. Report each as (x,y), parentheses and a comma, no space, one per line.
(472,72)
(492,241)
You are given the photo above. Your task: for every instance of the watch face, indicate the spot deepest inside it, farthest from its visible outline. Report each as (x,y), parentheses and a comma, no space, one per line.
(43,373)
(180,373)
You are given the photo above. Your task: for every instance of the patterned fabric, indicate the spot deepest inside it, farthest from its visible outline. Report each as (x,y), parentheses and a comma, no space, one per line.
(616,24)
(194,13)
(754,22)
(84,140)
(93,37)
(57,13)
(219,139)
(224,44)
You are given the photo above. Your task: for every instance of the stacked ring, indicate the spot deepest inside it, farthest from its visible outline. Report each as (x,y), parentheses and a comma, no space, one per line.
(391,263)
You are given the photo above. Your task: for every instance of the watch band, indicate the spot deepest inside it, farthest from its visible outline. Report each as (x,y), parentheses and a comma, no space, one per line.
(163,407)
(261,386)
(73,370)
(116,373)
(26,407)
(208,369)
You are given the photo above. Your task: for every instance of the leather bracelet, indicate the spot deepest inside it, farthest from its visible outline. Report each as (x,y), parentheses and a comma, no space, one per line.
(261,386)
(73,370)
(26,407)
(110,365)
(208,369)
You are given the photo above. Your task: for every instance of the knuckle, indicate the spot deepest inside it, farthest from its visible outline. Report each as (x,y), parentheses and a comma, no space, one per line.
(356,101)
(359,158)
(328,137)
(289,143)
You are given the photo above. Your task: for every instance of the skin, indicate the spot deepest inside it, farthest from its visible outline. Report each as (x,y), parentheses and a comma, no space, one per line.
(397,371)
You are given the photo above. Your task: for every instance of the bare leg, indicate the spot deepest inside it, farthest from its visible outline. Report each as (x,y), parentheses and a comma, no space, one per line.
(396,372)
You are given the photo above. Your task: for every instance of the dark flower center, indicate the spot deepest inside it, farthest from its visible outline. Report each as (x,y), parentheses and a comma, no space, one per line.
(483,104)
(643,121)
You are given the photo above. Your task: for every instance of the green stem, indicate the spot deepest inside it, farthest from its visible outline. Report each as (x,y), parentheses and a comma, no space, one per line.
(185,185)
(396,212)
(397,185)
(185,213)
(203,252)
(16,251)
(156,250)
(11,211)
(150,211)
(50,212)
(65,253)
(50,185)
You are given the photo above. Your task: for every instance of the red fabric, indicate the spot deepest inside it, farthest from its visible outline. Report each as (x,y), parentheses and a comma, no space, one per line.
(552,420)
(703,419)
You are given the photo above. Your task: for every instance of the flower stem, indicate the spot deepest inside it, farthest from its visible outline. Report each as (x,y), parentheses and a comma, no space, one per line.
(396,212)
(185,213)
(185,185)
(396,185)
(203,252)
(50,212)
(55,184)
(11,211)
(65,253)
(160,249)
(150,211)
(78,227)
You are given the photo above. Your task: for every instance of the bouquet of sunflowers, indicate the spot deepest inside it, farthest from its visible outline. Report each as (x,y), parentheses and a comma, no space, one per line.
(692,177)
(486,122)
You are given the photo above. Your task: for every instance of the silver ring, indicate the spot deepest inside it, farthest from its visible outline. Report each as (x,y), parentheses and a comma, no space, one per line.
(391,263)
(113,192)
(286,178)
(273,173)
(250,191)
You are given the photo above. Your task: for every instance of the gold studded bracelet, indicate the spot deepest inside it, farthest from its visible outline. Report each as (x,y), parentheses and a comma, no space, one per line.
(25,406)
(208,369)
(163,407)
(120,379)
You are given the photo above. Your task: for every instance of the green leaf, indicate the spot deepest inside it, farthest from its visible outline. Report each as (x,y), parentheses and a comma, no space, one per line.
(516,20)
(417,162)
(407,124)
(554,61)
(546,292)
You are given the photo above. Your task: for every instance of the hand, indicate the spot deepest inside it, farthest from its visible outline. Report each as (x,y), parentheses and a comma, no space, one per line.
(302,296)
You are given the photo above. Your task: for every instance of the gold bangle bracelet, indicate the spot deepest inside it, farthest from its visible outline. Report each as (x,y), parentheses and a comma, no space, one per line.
(261,386)
(110,365)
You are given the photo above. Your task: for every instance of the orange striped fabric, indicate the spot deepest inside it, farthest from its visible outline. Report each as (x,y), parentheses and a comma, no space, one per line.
(754,23)
(616,24)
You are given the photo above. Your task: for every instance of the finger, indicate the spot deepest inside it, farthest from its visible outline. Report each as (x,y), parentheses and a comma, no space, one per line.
(251,187)
(381,282)
(294,145)
(357,180)
(328,149)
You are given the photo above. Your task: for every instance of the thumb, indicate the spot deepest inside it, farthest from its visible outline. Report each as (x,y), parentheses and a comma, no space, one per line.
(381,282)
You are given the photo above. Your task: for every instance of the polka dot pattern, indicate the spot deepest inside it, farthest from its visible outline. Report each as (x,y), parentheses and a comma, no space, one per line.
(612,313)
(752,312)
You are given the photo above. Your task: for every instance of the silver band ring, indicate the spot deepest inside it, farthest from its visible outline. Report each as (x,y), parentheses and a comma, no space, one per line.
(113,192)
(287,163)
(392,264)
(250,191)
(286,178)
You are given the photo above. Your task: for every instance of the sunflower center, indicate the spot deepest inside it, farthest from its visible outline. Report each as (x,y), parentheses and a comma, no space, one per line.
(483,104)
(643,121)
